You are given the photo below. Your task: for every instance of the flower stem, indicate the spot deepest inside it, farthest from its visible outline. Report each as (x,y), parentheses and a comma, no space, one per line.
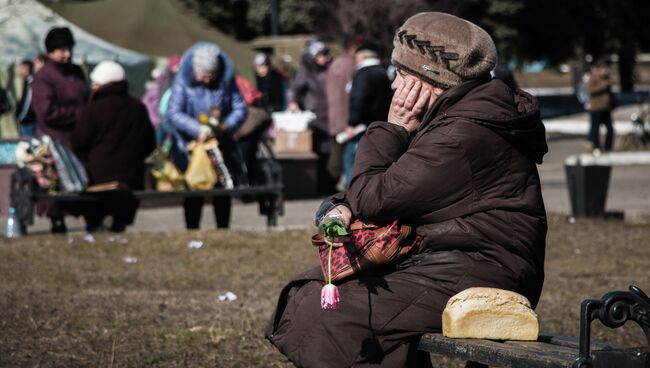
(329,264)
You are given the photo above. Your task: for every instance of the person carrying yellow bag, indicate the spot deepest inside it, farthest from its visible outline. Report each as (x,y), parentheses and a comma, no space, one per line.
(205,82)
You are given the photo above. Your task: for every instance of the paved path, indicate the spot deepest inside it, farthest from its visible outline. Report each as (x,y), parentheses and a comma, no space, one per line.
(629,191)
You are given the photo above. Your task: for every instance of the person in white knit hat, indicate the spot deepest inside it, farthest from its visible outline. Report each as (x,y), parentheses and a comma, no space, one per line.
(106,72)
(112,139)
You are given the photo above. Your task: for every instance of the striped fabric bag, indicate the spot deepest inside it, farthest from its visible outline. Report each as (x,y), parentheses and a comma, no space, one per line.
(71,172)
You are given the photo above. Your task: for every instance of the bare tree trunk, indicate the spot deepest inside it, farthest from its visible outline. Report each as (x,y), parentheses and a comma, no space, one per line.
(579,67)
(626,62)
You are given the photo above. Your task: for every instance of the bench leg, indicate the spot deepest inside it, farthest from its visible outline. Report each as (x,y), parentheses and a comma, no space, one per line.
(272,219)
(274,209)
(22,188)
(475,365)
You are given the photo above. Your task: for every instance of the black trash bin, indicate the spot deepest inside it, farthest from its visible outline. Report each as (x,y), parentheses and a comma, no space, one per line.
(588,186)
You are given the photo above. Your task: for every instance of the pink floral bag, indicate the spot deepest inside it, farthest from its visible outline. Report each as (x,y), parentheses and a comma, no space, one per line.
(365,247)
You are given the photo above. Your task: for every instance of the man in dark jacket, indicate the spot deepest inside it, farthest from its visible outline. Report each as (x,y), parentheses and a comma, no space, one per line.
(270,82)
(59,95)
(113,138)
(457,159)
(370,97)
(24,111)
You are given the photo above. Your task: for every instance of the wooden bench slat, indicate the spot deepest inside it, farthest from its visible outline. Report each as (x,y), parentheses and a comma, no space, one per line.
(270,198)
(515,354)
(559,351)
(144,194)
(572,342)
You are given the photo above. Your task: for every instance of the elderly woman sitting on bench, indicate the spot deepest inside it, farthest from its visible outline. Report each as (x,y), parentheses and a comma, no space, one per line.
(456,158)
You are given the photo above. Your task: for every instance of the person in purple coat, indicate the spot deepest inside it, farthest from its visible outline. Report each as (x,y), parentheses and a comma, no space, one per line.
(308,92)
(59,94)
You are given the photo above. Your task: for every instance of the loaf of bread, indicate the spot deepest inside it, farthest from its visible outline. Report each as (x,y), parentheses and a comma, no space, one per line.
(489,313)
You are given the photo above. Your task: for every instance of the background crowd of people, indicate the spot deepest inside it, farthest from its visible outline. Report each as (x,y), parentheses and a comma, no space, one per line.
(346,94)
(195,97)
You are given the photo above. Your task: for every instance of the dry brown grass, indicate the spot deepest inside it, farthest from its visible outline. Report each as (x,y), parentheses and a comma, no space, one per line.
(81,305)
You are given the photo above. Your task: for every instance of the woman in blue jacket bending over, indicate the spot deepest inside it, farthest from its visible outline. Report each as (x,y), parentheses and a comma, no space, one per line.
(205,82)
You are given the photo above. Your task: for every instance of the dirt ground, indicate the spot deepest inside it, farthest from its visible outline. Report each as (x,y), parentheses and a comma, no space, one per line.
(146,299)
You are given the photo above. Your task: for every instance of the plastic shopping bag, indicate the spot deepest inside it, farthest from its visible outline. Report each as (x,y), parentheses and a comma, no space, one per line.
(200,173)
(292,121)
(168,178)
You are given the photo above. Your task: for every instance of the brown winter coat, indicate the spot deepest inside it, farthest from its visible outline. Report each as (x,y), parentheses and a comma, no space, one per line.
(468,180)
(114,136)
(599,90)
(59,95)
(337,84)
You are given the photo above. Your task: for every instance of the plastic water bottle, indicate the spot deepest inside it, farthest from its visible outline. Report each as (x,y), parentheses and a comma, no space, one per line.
(12,225)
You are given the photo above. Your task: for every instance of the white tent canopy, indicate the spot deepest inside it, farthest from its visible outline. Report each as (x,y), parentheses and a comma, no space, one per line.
(25,23)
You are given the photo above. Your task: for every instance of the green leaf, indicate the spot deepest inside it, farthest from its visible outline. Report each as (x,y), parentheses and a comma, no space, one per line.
(333,228)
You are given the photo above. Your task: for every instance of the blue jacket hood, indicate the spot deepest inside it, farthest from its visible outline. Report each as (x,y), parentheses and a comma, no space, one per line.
(226,73)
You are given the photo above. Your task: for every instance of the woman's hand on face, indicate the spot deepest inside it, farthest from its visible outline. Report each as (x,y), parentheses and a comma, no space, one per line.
(408,104)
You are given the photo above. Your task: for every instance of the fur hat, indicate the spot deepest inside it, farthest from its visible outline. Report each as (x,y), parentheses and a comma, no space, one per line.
(443,50)
(370,45)
(317,47)
(107,72)
(262,59)
(57,38)
(205,59)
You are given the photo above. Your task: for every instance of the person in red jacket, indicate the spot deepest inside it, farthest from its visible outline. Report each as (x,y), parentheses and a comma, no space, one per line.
(112,139)
(59,94)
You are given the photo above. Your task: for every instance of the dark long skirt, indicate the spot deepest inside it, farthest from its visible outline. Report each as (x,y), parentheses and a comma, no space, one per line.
(382,316)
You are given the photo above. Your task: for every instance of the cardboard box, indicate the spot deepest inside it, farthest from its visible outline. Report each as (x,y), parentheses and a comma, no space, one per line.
(293,142)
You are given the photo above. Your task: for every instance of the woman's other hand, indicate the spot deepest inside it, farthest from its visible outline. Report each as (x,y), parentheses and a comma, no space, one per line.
(204,133)
(408,104)
(340,212)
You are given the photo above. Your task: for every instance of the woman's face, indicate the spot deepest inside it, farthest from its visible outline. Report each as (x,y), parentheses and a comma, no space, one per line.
(205,78)
(403,77)
(322,59)
(61,55)
(262,70)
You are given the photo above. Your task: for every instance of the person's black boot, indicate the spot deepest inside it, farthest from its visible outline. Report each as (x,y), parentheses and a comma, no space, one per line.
(118,227)
(58,226)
